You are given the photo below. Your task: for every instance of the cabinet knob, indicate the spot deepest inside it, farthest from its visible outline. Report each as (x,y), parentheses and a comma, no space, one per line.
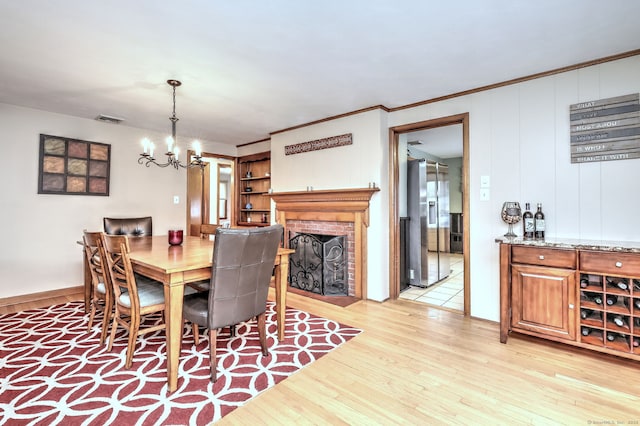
(570,305)
(618,264)
(541,257)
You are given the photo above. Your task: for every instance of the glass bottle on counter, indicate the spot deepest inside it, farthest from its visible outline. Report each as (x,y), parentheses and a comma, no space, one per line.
(528,226)
(538,219)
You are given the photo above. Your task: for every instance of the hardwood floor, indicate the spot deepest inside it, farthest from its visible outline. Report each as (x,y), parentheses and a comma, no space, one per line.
(415,364)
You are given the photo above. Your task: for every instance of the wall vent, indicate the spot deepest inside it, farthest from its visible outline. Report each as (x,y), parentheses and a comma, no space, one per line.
(109,119)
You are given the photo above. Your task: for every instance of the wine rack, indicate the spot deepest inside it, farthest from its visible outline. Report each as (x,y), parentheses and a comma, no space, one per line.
(610,294)
(609,321)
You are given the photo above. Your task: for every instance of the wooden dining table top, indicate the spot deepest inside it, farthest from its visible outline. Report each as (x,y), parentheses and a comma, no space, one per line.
(157,258)
(155,251)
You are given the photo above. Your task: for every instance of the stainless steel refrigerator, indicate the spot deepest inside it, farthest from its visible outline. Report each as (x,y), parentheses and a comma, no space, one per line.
(429,228)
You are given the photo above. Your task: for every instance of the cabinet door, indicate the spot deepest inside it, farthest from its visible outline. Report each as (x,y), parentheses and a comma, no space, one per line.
(543,301)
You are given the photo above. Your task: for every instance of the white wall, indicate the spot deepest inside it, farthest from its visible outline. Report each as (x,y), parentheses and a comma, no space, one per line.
(351,166)
(519,136)
(39,232)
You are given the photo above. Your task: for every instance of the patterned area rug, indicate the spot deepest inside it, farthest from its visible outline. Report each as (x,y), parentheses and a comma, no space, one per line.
(53,372)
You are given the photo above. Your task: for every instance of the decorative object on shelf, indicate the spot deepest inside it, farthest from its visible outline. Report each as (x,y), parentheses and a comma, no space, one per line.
(175,237)
(73,167)
(511,214)
(265,218)
(248,189)
(147,158)
(248,206)
(249,175)
(315,145)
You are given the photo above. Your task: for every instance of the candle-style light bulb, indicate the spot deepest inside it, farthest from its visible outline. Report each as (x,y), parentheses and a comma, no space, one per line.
(151,148)
(145,145)
(176,151)
(169,143)
(197,148)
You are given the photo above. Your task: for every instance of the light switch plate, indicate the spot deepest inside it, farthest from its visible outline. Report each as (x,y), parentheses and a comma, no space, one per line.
(484,194)
(485,181)
(176,199)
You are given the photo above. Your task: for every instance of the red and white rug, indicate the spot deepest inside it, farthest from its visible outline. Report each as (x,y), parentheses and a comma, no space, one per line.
(53,372)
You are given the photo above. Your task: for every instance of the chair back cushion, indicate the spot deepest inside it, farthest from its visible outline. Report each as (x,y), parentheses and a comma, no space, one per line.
(243,261)
(133,226)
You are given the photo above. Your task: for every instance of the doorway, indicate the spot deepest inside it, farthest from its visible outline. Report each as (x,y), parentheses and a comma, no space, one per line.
(210,192)
(415,140)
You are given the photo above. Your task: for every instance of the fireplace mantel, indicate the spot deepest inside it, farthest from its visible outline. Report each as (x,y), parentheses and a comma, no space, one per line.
(339,205)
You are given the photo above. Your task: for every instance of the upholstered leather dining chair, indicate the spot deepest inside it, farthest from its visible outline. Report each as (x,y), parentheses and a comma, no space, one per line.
(131,226)
(243,260)
(134,295)
(101,289)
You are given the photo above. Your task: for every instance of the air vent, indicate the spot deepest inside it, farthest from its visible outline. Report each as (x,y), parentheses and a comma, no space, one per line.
(414,143)
(109,119)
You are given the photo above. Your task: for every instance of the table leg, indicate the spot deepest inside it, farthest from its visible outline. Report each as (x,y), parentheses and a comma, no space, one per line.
(282,272)
(173,295)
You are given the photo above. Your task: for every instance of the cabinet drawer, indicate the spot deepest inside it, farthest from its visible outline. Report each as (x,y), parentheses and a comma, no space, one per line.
(558,258)
(610,263)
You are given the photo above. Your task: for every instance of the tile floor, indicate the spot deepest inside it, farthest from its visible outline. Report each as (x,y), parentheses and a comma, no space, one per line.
(448,293)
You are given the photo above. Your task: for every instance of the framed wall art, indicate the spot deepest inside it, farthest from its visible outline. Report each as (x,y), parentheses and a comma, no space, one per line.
(73,167)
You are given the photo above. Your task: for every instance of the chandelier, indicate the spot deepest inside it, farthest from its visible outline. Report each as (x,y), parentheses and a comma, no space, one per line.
(173,151)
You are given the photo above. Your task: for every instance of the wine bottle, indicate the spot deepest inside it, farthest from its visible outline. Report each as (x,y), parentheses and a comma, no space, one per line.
(636,285)
(597,299)
(528,225)
(621,283)
(585,313)
(585,331)
(636,302)
(636,342)
(611,336)
(636,322)
(612,299)
(584,282)
(619,320)
(538,219)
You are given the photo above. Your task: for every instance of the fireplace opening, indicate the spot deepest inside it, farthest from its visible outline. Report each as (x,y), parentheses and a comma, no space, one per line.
(319,264)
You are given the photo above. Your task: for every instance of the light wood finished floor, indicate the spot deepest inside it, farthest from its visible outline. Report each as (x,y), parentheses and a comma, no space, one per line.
(418,365)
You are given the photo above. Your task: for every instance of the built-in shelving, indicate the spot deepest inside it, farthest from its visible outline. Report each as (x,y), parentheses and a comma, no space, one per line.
(254,177)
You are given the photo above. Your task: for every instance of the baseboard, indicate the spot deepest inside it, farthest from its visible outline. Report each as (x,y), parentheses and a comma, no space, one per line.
(34,297)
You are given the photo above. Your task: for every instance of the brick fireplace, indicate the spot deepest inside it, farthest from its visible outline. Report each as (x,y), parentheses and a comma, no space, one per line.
(338,212)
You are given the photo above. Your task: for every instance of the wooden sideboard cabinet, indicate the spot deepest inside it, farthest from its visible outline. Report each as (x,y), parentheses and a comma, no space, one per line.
(578,293)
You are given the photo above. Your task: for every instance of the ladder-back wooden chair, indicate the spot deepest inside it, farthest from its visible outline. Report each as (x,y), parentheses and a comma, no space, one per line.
(208,229)
(134,295)
(102,291)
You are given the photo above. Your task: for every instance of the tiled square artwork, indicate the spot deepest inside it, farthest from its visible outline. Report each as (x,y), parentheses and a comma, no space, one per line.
(71,166)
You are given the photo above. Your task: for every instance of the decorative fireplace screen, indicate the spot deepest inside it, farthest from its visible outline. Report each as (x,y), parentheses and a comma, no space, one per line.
(319,264)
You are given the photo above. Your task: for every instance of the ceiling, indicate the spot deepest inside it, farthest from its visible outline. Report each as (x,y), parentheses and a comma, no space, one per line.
(253,67)
(443,142)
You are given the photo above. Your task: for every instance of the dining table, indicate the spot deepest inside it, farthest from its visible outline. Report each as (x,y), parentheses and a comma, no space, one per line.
(177,265)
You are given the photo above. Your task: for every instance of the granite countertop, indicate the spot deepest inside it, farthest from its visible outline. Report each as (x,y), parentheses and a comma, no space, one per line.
(568,243)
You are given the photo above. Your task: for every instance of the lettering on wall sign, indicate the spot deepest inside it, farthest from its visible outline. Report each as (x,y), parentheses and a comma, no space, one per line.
(605,130)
